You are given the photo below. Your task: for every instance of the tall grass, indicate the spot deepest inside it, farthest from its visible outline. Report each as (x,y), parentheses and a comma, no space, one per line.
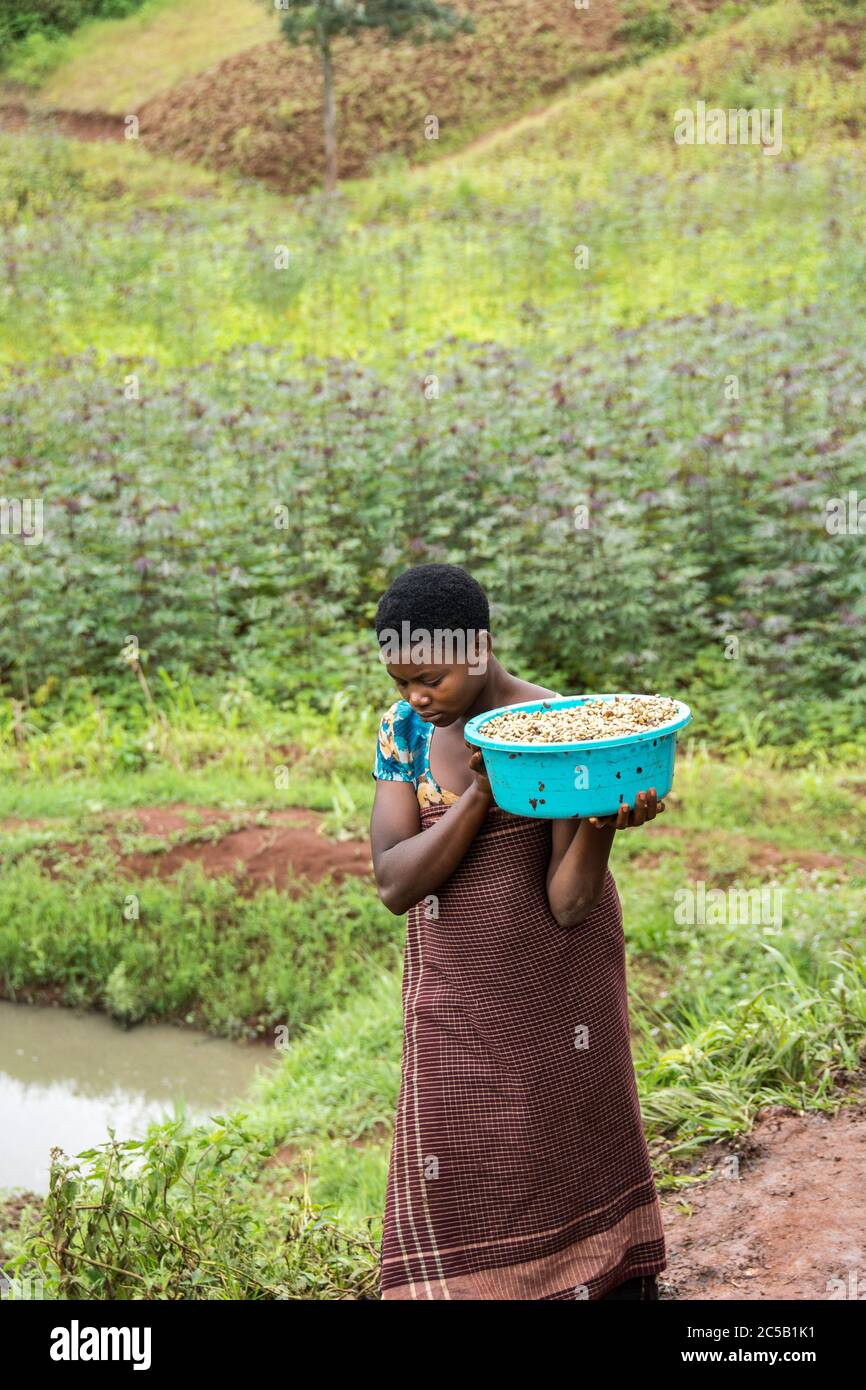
(196,951)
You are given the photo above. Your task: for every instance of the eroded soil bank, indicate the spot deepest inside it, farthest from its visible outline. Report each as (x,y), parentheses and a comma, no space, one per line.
(782,1217)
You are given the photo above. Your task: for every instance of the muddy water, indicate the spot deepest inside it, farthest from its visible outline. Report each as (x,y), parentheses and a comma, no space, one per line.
(66,1076)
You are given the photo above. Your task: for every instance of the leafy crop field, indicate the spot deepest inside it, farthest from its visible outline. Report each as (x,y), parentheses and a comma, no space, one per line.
(621,380)
(235,534)
(214,474)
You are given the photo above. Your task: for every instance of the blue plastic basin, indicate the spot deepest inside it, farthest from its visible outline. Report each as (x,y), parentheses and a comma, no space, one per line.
(588,778)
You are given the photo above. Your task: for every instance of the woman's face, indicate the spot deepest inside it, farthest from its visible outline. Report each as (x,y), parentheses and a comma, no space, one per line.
(439,693)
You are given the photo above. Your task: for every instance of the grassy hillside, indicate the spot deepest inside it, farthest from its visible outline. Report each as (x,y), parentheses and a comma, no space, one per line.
(115,65)
(806,59)
(520,54)
(209,87)
(479,246)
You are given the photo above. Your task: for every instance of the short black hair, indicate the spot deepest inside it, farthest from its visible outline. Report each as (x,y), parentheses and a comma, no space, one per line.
(434,596)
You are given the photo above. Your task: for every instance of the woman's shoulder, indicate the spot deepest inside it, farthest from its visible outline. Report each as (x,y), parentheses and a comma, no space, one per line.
(526,691)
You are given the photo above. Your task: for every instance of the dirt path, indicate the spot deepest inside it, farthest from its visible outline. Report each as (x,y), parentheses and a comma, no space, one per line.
(598,26)
(288,847)
(790,1226)
(78,125)
(783,1215)
(102,125)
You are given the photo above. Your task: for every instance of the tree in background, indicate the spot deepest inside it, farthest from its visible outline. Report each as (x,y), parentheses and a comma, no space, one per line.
(319,22)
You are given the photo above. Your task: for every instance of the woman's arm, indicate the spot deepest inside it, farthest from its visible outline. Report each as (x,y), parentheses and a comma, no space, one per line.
(579,855)
(409,865)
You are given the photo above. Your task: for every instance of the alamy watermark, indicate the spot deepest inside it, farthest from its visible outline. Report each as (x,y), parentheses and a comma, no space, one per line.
(739,907)
(22,516)
(21,1288)
(853,1287)
(736,126)
(845,516)
(77,1343)
(437,647)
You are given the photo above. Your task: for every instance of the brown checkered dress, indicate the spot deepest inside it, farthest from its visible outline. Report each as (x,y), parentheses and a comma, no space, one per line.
(519,1167)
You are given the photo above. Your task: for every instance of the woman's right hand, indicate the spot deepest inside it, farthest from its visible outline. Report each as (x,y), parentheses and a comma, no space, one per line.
(481,781)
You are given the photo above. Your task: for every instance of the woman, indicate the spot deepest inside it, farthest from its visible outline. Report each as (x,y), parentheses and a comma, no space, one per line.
(519,1167)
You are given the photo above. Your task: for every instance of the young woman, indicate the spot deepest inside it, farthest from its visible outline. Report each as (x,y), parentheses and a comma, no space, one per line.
(519,1167)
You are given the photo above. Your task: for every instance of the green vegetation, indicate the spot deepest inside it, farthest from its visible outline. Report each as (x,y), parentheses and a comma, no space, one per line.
(727,1018)
(235,459)
(116,65)
(194,1226)
(704,410)
(51,17)
(197,951)
(70,754)
(34,35)
(186,521)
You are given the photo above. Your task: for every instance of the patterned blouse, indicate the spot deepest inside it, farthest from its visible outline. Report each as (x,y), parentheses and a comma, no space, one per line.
(403,754)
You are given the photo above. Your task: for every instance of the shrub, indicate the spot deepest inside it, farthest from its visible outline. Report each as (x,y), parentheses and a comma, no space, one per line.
(53,17)
(178,1216)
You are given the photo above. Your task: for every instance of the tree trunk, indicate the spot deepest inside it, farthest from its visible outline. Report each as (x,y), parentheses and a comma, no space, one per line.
(330,111)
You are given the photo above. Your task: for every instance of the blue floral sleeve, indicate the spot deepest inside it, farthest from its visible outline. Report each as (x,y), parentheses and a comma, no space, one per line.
(397,745)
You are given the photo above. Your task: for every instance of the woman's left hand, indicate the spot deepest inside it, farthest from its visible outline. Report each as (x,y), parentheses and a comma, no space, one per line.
(646,808)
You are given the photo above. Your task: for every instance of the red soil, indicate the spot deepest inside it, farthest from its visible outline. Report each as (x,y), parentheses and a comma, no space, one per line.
(77,125)
(260,111)
(760,854)
(291,845)
(790,1224)
(287,847)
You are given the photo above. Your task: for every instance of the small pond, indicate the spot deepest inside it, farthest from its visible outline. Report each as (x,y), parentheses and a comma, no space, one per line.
(66,1076)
